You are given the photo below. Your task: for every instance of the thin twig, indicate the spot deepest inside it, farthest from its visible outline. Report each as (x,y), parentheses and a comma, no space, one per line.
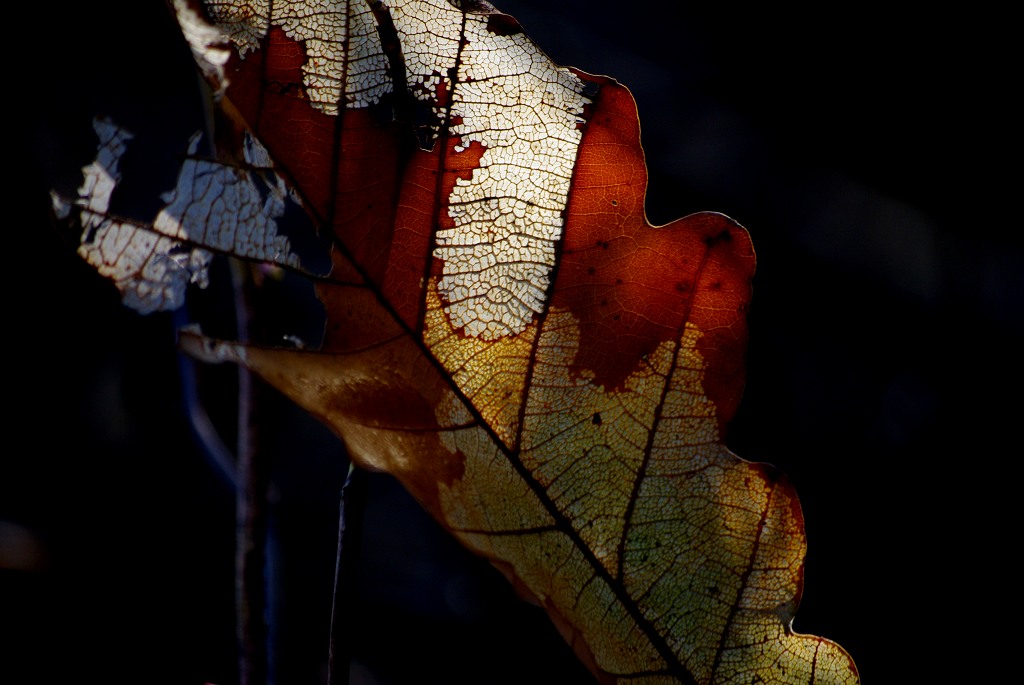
(353,503)
(203,430)
(250,514)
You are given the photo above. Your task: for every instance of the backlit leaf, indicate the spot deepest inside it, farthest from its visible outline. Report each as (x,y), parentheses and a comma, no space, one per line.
(548,374)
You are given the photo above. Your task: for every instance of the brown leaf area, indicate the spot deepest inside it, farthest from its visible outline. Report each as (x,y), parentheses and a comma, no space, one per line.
(548,374)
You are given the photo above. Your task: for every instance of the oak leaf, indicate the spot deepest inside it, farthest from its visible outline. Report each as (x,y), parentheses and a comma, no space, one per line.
(547,373)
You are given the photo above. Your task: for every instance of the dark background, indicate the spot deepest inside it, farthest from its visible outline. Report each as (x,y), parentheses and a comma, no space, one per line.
(868,152)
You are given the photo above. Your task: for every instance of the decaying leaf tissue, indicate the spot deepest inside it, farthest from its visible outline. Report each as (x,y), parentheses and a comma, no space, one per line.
(506,334)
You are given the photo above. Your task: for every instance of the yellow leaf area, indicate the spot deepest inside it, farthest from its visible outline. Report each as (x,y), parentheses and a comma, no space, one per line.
(660,555)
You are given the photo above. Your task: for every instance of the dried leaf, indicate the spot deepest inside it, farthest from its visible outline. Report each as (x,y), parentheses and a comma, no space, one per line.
(548,374)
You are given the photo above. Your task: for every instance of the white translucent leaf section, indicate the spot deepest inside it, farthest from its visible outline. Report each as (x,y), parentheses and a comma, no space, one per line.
(340,38)
(526,113)
(230,209)
(429,31)
(206,42)
(150,270)
(212,206)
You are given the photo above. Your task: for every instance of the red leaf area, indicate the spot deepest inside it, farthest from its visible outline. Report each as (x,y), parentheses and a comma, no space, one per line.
(631,286)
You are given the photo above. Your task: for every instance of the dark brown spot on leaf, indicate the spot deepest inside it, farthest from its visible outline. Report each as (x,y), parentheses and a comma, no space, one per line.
(503,25)
(722,237)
